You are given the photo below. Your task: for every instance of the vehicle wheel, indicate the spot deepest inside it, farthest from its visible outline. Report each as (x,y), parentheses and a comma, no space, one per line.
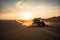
(43,24)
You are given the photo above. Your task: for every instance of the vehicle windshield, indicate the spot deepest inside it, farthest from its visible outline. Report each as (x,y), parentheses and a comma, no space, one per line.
(40,20)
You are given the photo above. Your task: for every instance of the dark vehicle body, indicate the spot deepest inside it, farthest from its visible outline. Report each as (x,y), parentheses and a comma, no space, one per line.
(38,21)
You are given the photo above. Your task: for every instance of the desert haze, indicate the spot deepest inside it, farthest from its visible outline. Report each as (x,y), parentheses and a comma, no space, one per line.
(13,30)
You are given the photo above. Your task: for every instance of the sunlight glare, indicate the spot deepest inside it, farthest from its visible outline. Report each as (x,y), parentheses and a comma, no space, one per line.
(26,15)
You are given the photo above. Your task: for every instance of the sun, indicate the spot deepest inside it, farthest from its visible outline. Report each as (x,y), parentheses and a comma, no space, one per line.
(26,15)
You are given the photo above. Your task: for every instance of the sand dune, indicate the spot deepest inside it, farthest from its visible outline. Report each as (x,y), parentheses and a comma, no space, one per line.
(12,30)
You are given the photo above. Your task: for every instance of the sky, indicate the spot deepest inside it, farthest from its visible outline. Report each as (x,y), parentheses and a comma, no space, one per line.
(24,9)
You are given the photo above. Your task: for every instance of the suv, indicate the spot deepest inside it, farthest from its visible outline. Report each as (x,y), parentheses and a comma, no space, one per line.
(38,21)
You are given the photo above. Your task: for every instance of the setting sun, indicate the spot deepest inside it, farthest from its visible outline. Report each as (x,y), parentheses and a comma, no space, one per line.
(26,15)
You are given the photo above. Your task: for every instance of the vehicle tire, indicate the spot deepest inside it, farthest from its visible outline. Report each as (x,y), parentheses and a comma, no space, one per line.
(43,24)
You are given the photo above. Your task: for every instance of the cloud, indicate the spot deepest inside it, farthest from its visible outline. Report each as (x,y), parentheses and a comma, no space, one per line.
(40,8)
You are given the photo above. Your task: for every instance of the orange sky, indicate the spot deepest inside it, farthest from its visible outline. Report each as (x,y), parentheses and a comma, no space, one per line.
(23,10)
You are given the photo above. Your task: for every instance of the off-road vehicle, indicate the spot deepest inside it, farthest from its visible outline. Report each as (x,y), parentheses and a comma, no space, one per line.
(38,21)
